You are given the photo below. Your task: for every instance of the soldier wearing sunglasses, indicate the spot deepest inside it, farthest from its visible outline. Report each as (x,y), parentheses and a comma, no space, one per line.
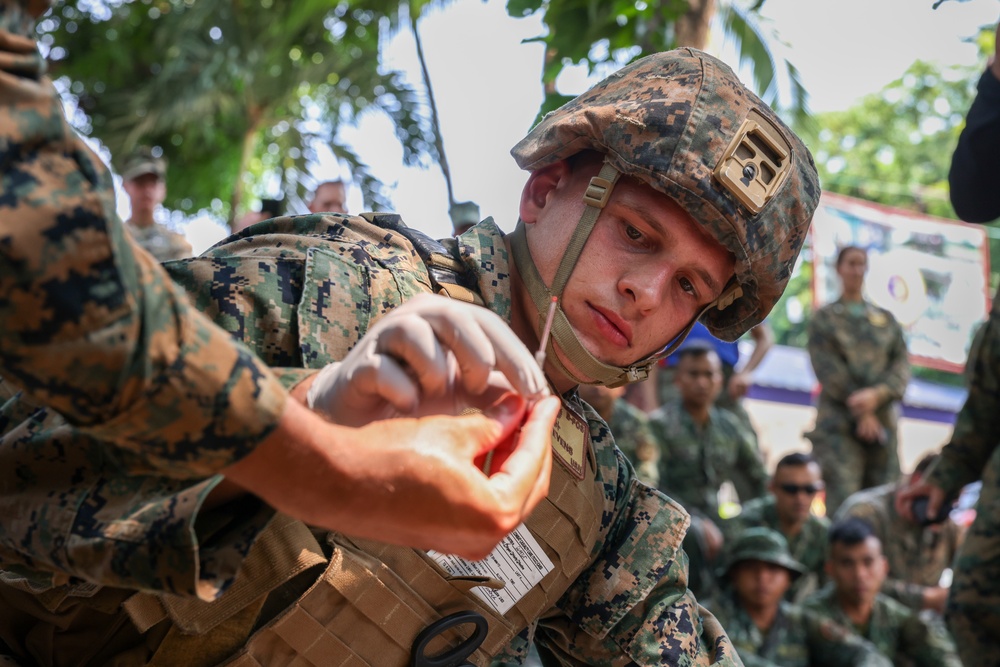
(787,508)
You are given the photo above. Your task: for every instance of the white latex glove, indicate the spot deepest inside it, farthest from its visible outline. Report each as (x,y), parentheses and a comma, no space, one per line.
(412,360)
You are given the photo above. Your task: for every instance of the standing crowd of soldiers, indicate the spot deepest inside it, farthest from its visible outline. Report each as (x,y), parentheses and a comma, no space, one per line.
(292,450)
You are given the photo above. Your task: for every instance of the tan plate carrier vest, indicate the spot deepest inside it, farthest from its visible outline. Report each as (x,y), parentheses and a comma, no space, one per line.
(373,599)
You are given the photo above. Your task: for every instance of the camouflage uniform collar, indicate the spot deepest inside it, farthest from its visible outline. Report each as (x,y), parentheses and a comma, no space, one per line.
(483,251)
(864,305)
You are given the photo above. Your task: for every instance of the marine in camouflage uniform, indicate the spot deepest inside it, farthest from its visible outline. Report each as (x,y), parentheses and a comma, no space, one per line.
(917,555)
(94,330)
(729,353)
(143,384)
(902,634)
(973,453)
(384,270)
(796,637)
(286,289)
(808,546)
(855,346)
(160,242)
(144,181)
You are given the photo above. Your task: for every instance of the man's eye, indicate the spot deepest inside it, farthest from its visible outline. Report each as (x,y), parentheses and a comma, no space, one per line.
(633,233)
(687,286)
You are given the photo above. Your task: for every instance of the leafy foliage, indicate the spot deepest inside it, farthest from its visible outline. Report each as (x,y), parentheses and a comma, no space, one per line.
(895,147)
(234,93)
(601,32)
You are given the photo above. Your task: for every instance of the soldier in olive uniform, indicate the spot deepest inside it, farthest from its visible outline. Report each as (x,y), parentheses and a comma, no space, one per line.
(917,555)
(630,427)
(859,356)
(702,446)
(692,237)
(857,570)
(788,509)
(144,181)
(768,631)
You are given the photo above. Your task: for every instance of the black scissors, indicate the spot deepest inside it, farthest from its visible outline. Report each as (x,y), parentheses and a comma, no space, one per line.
(453,657)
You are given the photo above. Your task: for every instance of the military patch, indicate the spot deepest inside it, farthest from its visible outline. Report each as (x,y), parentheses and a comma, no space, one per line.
(570,441)
(877,318)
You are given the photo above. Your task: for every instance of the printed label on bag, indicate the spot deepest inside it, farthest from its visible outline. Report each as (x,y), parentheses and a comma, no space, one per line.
(518,561)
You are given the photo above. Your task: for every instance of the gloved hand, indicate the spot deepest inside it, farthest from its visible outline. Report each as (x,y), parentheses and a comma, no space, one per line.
(432,355)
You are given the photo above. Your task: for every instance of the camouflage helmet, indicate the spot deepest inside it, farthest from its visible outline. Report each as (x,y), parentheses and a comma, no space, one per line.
(763,544)
(683,123)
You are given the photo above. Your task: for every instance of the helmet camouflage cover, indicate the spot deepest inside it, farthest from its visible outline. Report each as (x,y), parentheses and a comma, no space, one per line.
(683,123)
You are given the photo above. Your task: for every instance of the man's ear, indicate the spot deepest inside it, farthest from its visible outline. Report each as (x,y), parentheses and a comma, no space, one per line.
(539,188)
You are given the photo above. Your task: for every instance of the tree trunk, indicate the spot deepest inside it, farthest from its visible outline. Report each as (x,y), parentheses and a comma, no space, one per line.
(692,28)
(249,141)
(550,86)
(438,140)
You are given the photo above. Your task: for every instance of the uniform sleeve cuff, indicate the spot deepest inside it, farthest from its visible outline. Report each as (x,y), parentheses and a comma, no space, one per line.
(290,377)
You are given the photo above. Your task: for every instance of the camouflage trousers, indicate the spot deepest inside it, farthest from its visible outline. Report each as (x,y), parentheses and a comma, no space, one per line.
(850,465)
(973,612)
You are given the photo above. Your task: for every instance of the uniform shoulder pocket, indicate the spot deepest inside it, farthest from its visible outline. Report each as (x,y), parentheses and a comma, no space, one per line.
(344,292)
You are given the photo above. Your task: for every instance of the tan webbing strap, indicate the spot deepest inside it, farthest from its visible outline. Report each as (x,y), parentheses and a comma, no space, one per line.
(144,610)
(460,293)
(595,198)
(427,595)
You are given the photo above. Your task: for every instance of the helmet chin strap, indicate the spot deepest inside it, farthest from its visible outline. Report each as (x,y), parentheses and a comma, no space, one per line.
(592,369)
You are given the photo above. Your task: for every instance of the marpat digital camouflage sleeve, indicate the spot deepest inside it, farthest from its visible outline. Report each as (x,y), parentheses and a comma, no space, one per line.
(90,325)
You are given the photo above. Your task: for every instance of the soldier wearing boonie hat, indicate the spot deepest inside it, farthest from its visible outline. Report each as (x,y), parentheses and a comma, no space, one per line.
(764,628)
(761,544)
(679,195)
(144,181)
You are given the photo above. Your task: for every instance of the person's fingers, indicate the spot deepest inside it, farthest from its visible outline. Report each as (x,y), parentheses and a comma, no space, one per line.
(384,378)
(412,340)
(491,427)
(526,472)
(482,341)
(513,359)
(460,332)
(935,498)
